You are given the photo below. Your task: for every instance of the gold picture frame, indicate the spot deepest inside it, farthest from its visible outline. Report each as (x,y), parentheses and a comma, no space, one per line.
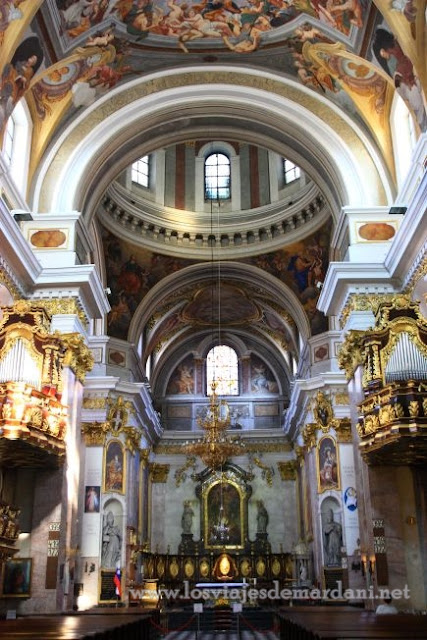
(328,474)
(232,497)
(114,467)
(17,578)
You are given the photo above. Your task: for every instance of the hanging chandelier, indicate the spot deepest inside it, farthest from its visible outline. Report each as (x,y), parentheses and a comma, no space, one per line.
(216,447)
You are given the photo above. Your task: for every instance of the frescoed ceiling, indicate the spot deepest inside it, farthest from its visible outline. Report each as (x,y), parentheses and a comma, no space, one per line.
(64,54)
(71,59)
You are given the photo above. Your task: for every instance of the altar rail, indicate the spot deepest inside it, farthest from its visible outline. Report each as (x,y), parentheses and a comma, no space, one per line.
(173,570)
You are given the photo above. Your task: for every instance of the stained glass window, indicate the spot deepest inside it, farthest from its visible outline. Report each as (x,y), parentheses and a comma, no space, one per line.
(222,366)
(217,177)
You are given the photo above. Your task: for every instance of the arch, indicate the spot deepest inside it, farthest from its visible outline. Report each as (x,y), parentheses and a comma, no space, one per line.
(346,165)
(193,274)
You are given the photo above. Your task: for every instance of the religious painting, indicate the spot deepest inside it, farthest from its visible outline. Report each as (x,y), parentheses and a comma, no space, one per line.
(302,267)
(327,460)
(114,472)
(262,379)
(224,507)
(182,379)
(92,499)
(17,578)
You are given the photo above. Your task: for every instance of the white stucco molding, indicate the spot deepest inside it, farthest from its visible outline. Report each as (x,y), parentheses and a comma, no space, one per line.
(77,164)
(302,392)
(79,281)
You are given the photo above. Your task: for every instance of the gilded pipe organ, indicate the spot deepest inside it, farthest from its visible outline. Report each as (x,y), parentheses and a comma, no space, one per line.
(393,415)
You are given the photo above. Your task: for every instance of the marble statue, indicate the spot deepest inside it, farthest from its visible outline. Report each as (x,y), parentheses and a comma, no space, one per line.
(332,536)
(187,517)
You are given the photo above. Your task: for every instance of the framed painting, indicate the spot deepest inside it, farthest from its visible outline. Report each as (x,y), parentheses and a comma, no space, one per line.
(114,467)
(327,464)
(92,499)
(17,578)
(227,495)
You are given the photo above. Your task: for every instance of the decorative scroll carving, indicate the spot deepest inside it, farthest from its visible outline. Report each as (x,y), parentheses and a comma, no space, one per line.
(95,433)
(309,435)
(267,472)
(343,430)
(180,473)
(288,470)
(78,356)
(159,472)
(350,355)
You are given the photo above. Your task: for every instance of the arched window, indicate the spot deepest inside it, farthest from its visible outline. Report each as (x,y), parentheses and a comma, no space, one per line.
(290,171)
(217,177)
(141,171)
(9,136)
(222,366)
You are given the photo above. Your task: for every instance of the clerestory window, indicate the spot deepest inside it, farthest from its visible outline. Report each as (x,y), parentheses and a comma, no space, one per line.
(222,366)
(217,177)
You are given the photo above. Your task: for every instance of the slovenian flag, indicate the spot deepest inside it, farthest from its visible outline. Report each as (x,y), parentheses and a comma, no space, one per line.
(118,582)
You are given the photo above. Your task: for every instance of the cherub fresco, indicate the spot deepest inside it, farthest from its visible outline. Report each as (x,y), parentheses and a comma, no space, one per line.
(77,16)
(91,70)
(240,24)
(17,76)
(9,11)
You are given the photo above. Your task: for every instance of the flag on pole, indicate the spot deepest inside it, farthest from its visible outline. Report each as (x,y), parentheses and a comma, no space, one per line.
(118,582)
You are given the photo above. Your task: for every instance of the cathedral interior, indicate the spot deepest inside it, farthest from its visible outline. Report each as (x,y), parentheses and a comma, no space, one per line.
(213,336)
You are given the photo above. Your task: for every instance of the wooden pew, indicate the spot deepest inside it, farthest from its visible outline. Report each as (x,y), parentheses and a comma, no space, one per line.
(118,626)
(334,624)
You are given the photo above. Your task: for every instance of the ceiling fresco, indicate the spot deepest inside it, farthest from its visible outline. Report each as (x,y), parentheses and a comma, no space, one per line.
(62,55)
(132,271)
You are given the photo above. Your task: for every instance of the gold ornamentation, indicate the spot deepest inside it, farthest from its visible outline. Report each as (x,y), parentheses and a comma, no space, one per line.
(132,439)
(341,398)
(343,430)
(309,435)
(94,402)
(159,472)
(414,409)
(64,306)
(95,433)
(363,302)
(288,470)
(323,412)
(35,416)
(267,473)
(78,356)
(419,272)
(216,447)
(253,447)
(350,355)
(118,413)
(180,473)
(7,281)
(299,452)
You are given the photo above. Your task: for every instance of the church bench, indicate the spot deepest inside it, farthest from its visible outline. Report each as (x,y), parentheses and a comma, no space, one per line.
(350,625)
(78,627)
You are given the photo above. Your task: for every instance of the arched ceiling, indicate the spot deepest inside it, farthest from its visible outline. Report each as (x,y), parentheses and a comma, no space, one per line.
(109,80)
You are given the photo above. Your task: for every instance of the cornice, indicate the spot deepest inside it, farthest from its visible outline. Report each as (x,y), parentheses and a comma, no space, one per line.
(161,228)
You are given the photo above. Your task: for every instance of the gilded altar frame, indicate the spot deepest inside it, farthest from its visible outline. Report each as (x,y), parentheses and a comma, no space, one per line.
(232,487)
(114,475)
(328,469)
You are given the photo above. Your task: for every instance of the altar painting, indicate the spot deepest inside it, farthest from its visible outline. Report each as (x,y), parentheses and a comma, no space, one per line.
(231,498)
